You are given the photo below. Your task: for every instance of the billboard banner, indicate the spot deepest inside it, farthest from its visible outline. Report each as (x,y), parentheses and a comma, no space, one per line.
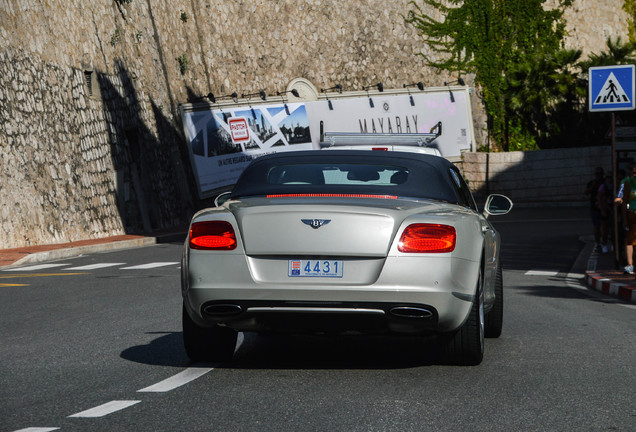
(403,113)
(221,145)
(223,140)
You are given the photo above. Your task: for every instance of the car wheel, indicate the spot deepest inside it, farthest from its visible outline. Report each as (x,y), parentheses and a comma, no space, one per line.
(207,343)
(466,346)
(494,318)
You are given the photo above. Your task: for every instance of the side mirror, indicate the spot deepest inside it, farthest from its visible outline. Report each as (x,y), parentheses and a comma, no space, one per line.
(220,199)
(497,205)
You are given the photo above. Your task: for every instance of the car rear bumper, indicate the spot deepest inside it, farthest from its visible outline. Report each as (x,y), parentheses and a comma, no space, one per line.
(378,311)
(321,317)
(225,291)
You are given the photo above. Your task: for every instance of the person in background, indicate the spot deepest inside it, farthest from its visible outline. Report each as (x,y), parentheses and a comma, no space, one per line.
(618,203)
(622,178)
(605,200)
(592,191)
(629,218)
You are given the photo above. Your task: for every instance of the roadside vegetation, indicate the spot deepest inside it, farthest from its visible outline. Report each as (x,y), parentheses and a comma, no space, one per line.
(533,89)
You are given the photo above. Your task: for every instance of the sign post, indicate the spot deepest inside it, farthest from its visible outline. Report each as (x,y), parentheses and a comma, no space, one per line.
(611,88)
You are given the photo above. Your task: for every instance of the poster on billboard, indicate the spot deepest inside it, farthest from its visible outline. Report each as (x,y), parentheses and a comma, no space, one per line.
(222,142)
(224,138)
(400,114)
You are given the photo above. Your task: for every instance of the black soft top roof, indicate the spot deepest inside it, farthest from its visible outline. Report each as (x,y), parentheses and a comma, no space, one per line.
(429,176)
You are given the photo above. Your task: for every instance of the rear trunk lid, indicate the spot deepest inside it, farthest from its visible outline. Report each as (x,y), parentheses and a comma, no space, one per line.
(332,227)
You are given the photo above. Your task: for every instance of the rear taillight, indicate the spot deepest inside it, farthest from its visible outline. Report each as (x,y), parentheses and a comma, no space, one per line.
(428,238)
(212,235)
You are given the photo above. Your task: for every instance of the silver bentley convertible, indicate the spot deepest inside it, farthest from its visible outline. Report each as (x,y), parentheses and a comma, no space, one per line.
(348,241)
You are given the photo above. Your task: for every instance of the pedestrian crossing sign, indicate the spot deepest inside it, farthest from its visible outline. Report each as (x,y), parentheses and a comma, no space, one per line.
(611,88)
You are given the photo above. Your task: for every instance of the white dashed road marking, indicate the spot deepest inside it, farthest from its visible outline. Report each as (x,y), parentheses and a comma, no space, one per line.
(149,266)
(36,267)
(38,429)
(541,273)
(95,266)
(105,409)
(177,380)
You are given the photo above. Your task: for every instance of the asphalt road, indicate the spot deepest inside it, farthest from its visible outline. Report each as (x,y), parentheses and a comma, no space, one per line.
(100,349)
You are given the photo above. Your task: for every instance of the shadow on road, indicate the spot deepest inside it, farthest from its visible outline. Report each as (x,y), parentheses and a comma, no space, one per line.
(565,292)
(553,292)
(278,351)
(166,350)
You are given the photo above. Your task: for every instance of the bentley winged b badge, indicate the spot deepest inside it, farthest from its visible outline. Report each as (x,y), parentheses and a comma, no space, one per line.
(315,223)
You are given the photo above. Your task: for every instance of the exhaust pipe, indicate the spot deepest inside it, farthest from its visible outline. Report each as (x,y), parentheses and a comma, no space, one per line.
(221,310)
(411,312)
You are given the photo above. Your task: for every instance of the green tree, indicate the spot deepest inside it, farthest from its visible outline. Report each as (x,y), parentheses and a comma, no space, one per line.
(546,95)
(618,52)
(597,124)
(490,38)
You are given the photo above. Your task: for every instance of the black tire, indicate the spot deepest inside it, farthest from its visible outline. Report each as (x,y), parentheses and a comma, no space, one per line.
(204,344)
(466,346)
(494,318)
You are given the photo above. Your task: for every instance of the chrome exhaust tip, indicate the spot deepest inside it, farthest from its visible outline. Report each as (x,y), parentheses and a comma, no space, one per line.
(221,310)
(411,312)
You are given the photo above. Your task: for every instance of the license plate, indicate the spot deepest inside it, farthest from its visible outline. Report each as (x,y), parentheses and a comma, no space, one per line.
(315,268)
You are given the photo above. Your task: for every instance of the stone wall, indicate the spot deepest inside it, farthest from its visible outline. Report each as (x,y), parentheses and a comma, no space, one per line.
(90,136)
(75,166)
(592,22)
(546,176)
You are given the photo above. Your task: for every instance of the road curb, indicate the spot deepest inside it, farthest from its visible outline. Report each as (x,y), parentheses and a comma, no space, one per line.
(606,286)
(70,252)
(597,281)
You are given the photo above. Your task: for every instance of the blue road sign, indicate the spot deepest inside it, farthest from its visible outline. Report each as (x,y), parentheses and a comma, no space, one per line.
(612,88)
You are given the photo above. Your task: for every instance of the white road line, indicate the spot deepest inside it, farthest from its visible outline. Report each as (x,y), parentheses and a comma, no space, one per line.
(525,221)
(177,380)
(105,409)
(38,429)
(35,267)
(149,265)
(541,273)
(95,266)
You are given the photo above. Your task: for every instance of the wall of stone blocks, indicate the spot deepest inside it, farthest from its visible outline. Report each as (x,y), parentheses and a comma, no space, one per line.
(90,136)
(75,166)
(592,22)
(547,176)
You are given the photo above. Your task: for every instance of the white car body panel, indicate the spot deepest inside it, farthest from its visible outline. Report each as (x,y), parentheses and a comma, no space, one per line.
(374,268)
(251,287)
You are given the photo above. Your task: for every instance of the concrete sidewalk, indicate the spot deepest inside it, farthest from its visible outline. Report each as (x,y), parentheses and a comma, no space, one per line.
(33,254)
(601,274)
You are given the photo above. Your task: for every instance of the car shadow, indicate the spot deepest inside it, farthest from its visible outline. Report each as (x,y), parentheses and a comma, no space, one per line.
(286,351)
(289,351)
(166,350)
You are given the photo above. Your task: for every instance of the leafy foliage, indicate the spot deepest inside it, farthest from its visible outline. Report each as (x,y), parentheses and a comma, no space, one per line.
(547,94)
(183,63)
(491,39)
(617,53)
